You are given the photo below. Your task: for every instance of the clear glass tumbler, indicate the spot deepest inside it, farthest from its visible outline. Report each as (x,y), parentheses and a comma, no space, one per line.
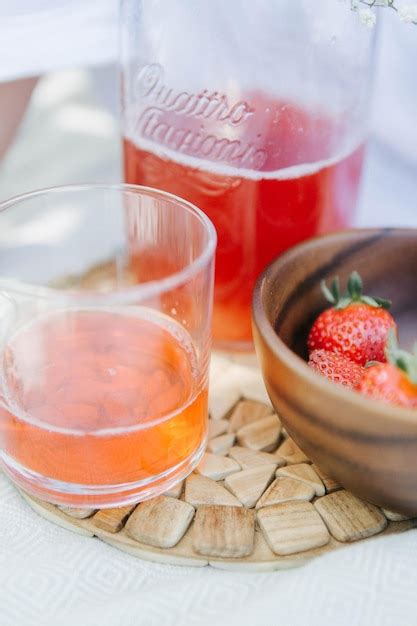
(105,333)
(256,111)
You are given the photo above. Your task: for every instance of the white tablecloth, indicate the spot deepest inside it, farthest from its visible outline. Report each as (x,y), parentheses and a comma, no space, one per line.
(49,576)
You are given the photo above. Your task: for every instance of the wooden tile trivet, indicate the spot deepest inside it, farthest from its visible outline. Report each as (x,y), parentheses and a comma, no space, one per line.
(255,502)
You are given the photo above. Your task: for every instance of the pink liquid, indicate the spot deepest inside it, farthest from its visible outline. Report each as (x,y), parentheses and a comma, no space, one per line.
(283,190)
(80,383)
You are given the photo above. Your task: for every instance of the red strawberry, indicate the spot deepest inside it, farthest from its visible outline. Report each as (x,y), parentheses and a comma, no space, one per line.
(336,367)
(356,325)
(394,382)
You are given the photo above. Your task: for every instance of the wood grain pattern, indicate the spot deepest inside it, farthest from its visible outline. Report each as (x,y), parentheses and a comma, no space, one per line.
(112,520)
(248,459)
(200,490)
(260,435)
(329,484)
(216,466)
(292,527)
(160,522)
(304,473)
(246,412)
(367,447)
(291,453)
(224,531)
(249,485)
(221,444)
(348,518)
(285,489)
(261,559)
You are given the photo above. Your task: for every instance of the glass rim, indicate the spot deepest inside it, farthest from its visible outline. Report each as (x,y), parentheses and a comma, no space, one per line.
(143,291)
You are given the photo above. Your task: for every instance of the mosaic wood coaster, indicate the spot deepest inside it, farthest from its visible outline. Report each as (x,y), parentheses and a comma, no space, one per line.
(255,502)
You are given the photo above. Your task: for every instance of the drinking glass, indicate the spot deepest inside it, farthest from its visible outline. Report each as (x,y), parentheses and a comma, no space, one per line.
(254,111)
(105,332)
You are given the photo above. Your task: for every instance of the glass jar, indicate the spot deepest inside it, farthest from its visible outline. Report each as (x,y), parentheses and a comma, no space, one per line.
(257,113)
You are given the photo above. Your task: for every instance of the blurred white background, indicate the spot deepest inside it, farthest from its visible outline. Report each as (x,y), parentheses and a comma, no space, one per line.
(71,132)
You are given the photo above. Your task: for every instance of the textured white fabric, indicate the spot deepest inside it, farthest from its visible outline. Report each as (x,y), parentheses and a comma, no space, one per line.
(49,576)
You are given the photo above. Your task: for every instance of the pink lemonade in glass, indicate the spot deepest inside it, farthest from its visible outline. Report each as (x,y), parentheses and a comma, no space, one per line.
(105,336)
(103,398)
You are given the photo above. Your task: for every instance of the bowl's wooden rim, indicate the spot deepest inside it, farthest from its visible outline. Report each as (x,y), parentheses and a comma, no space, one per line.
(295,363)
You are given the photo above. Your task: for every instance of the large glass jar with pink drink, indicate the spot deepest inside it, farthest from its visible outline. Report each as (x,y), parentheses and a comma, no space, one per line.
(254,111)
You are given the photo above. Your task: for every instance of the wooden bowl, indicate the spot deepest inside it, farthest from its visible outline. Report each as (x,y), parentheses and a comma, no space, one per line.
(367,446)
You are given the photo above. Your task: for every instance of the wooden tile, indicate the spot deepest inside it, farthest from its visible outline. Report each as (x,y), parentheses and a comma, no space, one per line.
(54,515)
(279,459)
(217,467)
(221,399)
(252,386)
(329,484)
(222,444)
(260,435)
(292,527)
(175,491)
(224,531)
(291,452)
(248,459)
(250,484)
(348,518)
(305,473)
(392,516)
(217,427)
(247,411)
(77,513)
(209,493)
(181,554)
(160,522)
(200,490)
(285,489)
(112,520)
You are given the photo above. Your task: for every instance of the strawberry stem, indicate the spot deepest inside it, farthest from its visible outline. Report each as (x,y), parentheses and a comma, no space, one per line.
(355,286)
(405,361)
(332,294)
(353,294)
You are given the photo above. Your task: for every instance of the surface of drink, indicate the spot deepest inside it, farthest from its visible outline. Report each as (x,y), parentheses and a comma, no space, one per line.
(101,398)
(265,190)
